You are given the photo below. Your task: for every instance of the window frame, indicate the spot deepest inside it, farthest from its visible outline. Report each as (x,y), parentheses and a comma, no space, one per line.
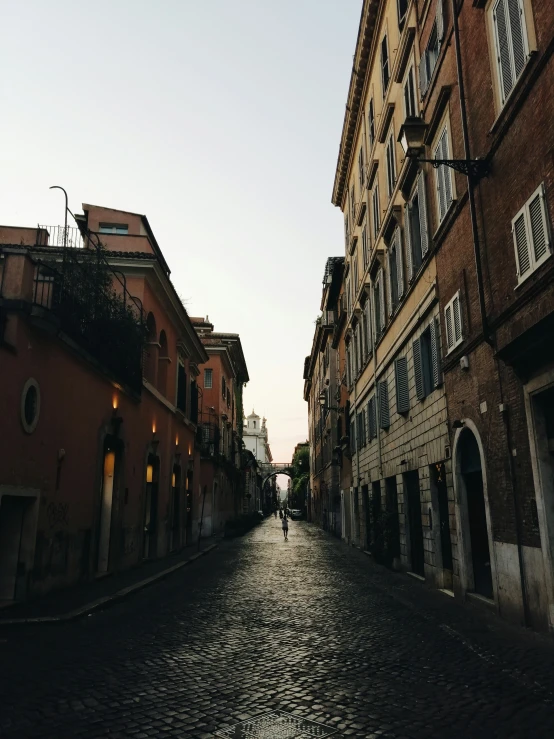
(385,65)
(450,306)
(361,168)
(376,208)
(443,172)
(524,212)
(210,386)
(410,77)
(527,37)
(391,163)
(371,123)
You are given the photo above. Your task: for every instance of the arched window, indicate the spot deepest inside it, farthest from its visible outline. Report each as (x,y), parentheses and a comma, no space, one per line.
(150,359)
(163,363)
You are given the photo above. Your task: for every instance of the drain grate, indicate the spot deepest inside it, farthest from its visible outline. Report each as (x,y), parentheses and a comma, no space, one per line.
(277,725)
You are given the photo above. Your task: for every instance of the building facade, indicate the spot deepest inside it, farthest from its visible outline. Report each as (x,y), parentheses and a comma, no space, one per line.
(487,94)
(220,384)
(401,498)
(100,468)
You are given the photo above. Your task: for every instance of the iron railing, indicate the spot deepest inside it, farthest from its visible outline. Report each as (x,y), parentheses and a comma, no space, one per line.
(207,439)
(90,302)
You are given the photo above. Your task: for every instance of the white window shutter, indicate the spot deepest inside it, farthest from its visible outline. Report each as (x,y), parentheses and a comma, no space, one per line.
(518,35)
(422,215)
(449,326)
(399,266)
(436,353)
(408,241)
(503,48)
(521,243)
(457,316)
(539,226)
(440,20)
(384,413)
(418,369)
(402,387)
(441,187)
(446,170)
(423,81)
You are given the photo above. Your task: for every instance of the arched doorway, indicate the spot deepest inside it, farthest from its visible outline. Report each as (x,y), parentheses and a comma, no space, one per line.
(472,490)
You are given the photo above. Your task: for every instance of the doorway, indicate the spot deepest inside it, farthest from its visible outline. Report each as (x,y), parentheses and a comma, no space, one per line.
(110,471)
(17,538)
(151,507)
(415,526)
(440,490)
(176,513)
(188,509)
(392,527)
(472,477)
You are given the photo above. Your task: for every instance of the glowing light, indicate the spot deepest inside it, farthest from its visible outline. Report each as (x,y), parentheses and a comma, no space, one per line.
(177,440)
(153,427)
(190,450)
(115,402)
(173,480)
(149,473)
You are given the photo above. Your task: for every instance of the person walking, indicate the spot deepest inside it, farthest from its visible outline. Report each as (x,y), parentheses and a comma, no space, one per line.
(285,527)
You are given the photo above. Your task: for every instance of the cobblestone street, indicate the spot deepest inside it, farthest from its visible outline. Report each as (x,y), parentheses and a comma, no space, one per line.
(309,626)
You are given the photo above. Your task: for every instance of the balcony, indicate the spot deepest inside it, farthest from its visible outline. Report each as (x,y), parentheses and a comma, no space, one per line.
(76,292)
(207,439)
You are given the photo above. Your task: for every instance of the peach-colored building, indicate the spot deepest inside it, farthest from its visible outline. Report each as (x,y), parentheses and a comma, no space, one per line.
(100,465)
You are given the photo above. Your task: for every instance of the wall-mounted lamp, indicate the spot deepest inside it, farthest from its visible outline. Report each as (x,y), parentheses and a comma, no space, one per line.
(115,402)
(153,428)
(149,473)
(176,439)
(412,140)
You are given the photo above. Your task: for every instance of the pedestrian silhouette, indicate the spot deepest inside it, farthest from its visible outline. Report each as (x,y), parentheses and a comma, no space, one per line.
(285,527)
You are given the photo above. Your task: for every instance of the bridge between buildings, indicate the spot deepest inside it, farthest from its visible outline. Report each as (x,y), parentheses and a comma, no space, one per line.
(270,469)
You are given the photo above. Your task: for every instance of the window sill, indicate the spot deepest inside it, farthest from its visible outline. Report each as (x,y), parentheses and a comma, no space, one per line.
(535,269)
(453,348)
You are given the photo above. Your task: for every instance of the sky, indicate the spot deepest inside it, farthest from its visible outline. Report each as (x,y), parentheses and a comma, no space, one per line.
(220,121)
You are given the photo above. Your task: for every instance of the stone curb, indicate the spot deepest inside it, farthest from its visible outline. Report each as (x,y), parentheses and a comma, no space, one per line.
(107,600)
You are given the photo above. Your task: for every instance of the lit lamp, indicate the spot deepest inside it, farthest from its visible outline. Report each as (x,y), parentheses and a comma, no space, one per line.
(323,403)
(411,138)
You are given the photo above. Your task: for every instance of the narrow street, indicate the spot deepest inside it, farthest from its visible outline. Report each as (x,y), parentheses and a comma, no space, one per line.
(309,626)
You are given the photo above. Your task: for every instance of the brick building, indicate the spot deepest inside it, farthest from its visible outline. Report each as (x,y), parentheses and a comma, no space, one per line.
(492,237)
(220,426)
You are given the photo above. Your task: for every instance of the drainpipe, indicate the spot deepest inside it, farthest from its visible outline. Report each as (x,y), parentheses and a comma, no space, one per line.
(470,183)
(482,307)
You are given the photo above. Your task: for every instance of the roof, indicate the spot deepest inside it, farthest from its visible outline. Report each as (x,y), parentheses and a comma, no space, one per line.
(354,99)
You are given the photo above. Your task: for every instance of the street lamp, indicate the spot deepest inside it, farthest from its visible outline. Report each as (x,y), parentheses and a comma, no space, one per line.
(323,403)
(411,138)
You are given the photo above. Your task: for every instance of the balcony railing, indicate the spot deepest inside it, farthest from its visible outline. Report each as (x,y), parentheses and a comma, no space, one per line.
(207,439)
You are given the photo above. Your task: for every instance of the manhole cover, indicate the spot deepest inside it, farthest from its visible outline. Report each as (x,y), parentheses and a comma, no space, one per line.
(277,725)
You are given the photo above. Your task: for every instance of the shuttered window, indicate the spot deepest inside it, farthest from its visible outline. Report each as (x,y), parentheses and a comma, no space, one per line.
(430,56)
(360,430)
(372,418)
(423,362)
(402,10)
(512,46)
(385,66)
(402,387)
(443,175)
(453,323)
(396,274)
(353,205)
(371,124)
(346,232)
(436,353)
(352,437)
(384,413)
(376,211)
(391,165)
(369,332)
(379,303)
(410,109)
(365,243)
(531,232)
(416,233)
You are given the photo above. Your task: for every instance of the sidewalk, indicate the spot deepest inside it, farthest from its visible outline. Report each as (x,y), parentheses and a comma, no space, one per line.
(79,600)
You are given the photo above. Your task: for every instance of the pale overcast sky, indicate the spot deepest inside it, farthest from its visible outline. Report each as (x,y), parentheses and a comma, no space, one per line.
(218,119)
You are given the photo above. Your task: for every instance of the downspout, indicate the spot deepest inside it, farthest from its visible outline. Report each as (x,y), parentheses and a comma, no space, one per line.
(470,183)
(482,307)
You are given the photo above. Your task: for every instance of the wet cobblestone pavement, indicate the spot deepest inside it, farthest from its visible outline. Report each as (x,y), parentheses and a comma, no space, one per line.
(309,627)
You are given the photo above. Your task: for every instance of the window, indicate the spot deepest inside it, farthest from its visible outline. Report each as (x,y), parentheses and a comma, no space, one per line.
(352,204)
(391,165)
(223,386)
(113,228)
(512,46)
(346,232)
(402,11)
(354,276)
(531,232)
(385,71)
(430,56)
(348,297)
(415,228)
(369,332)
(372,418)
(453,323)
(361,169)
(352,436)
(384,413)
(228,398)
(396,274)
(422,365)
(208,379)
(182,387)
(355,364)
(348,371)
(360,430)
(371,122)
(365,244)
(379,303)
(443,175)
(402,386)
(30,405)
(376,211)
(410,109)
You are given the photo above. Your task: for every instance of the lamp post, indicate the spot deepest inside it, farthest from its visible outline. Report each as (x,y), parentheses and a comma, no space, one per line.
(411,138)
